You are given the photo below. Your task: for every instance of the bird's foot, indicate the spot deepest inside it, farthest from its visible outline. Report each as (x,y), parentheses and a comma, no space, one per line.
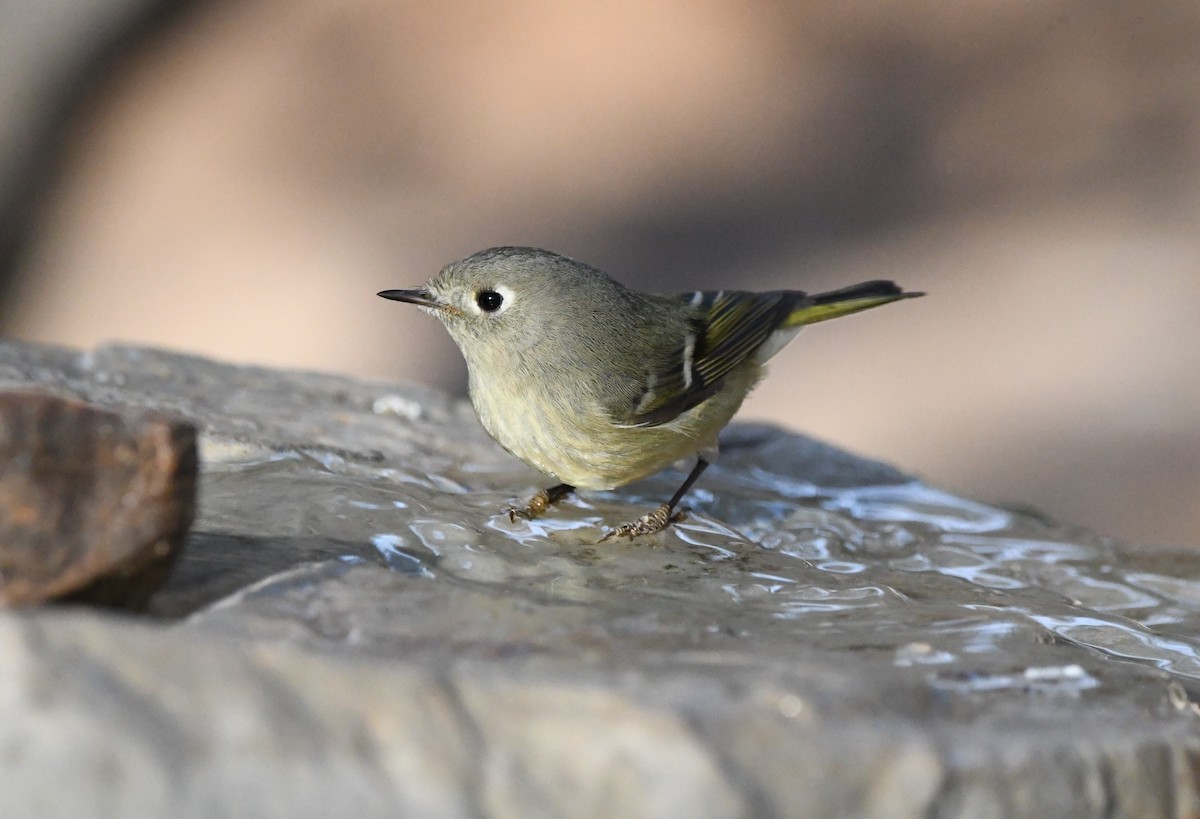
(537,505)
(542,500)
(647,524)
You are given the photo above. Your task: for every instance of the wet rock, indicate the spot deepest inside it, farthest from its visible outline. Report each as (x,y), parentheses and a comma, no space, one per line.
(94,503)
(355,626)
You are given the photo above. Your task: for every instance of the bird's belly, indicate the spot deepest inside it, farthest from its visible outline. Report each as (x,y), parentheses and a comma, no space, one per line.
(584,449)
(578,443)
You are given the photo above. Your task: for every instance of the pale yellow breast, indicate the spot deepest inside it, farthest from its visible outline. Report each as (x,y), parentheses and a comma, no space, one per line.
(571,437)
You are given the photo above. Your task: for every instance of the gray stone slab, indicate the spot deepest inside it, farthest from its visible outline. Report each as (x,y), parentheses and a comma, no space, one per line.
(356,628)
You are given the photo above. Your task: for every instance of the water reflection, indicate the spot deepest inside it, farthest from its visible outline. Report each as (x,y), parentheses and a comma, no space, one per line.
(1070,680)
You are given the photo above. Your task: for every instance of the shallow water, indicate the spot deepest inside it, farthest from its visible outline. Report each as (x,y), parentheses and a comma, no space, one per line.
(977,599)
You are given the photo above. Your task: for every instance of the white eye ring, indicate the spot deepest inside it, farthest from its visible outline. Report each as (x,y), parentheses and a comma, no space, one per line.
(483,300)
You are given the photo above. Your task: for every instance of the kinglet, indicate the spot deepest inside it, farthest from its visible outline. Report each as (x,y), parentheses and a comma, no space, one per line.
(599,385)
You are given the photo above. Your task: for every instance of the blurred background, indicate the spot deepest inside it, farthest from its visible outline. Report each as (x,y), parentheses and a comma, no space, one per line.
(238,179)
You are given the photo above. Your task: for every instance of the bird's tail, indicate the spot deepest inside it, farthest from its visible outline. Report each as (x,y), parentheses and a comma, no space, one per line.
(843,302)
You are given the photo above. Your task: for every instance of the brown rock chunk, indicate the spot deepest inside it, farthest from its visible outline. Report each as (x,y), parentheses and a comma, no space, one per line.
(94,503)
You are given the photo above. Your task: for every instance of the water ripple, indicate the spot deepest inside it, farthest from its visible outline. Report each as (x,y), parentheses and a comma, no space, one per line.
(984,599)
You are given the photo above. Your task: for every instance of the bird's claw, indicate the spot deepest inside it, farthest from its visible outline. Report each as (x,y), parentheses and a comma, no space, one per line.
(538,504)
(647,524)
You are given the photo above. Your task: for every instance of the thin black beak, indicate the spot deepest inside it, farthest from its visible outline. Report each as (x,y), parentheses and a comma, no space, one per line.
(420,296)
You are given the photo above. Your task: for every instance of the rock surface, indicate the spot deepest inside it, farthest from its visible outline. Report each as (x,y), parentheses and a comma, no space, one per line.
(356,628)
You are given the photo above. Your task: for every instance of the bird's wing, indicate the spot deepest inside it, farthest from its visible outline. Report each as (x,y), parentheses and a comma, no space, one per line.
(728,326)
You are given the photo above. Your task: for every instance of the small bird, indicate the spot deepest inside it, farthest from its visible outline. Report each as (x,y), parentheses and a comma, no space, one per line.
(598,385)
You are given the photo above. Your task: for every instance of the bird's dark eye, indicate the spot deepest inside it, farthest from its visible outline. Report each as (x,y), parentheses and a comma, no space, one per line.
(489,301)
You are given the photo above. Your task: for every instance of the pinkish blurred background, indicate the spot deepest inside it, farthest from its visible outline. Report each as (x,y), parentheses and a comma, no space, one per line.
(238,179)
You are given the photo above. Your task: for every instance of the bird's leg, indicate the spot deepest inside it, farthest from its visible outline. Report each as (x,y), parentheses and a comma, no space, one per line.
(663,516)
(540,502)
